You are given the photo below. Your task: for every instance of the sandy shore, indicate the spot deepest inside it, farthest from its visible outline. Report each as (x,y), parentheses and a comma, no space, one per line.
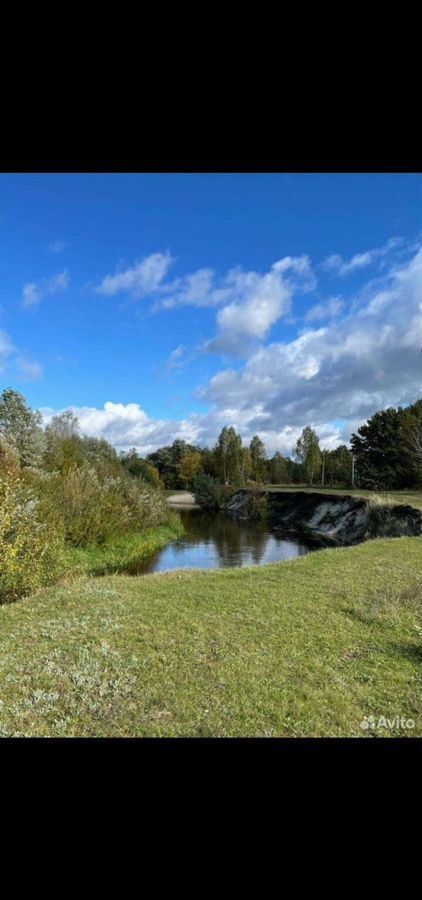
(184,499)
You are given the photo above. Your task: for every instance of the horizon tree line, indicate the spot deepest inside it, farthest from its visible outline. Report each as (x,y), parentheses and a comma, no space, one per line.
(386,452)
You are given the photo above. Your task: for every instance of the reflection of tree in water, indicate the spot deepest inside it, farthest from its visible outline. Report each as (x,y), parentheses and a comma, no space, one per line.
(231,540)
(259,545)
(302,549)
(213,539)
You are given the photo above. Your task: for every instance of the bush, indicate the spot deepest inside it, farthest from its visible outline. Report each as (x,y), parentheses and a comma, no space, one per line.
(31,550)
(95,508)
(206,491)
(9,459)
(209,493)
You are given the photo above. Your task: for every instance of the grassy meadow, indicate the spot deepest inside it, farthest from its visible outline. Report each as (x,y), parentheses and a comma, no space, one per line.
(306,647)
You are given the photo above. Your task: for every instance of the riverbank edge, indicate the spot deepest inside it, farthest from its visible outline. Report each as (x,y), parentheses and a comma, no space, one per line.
(123,554)
(330,520)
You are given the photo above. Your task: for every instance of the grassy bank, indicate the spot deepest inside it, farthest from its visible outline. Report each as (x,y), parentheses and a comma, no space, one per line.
(302,648)
(122,554)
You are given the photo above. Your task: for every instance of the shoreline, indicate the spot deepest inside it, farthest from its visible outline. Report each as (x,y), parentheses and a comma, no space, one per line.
(183,500)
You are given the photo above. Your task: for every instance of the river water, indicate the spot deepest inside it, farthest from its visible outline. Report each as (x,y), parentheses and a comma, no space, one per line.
(213,541)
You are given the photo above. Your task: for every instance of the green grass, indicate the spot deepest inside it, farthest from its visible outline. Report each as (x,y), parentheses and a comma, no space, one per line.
(410,498)
(123,554)
(306,647)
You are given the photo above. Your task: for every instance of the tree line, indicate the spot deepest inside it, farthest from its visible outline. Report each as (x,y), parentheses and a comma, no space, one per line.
(386,453)
(232,463)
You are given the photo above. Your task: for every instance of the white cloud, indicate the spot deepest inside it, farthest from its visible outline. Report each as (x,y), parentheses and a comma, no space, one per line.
(331,377)
(196,289)
(251,302)
(175,359)
(142,279)
(57,246)
(11,359)
(127,425)
(29,370)
(31,295)
(336,263)
(6,349)
(33,292)
(258,301)
(332,307)
(58,283)
(348,370)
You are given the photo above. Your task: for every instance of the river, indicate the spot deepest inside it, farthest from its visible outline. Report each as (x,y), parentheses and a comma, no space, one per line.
(214,541)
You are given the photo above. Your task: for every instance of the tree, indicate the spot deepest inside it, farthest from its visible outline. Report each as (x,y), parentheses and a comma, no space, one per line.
(101,455)
(63,444)
(209,461)
(412,437)
(207,491)
(382,452)
(64,426)
(9,460)
(338,465)
(167,459)
(245,465)
(414,442)
(20,426)
(258,459)
(278,470)
(188,467)
(138,467)
(229,455)
(308,452)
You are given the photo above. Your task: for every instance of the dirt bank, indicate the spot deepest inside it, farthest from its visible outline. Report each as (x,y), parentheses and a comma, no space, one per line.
(332,519)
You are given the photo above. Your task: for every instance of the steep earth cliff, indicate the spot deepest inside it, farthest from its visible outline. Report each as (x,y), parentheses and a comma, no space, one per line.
(329,519)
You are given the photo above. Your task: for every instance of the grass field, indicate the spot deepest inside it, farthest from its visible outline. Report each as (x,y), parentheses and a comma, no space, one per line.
(306,647)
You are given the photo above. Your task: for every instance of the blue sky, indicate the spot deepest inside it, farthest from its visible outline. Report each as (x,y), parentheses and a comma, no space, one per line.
(162,306)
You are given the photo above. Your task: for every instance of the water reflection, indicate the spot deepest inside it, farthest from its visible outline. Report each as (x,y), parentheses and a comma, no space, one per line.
(213,541)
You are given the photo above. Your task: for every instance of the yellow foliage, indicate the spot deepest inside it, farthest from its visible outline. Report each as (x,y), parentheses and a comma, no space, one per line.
(31,551)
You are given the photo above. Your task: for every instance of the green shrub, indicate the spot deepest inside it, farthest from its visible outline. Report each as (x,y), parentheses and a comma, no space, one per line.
(95,508)
(206,491)
(31,549)
(209,493)
(9,459)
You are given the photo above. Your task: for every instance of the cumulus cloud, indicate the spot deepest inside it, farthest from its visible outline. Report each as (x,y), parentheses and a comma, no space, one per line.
(144,278)
(127,425)
(332,377)
(257,302)
(332,307)
(34,292)
(249,302)
(345,370)
(196,289)
(336,264)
